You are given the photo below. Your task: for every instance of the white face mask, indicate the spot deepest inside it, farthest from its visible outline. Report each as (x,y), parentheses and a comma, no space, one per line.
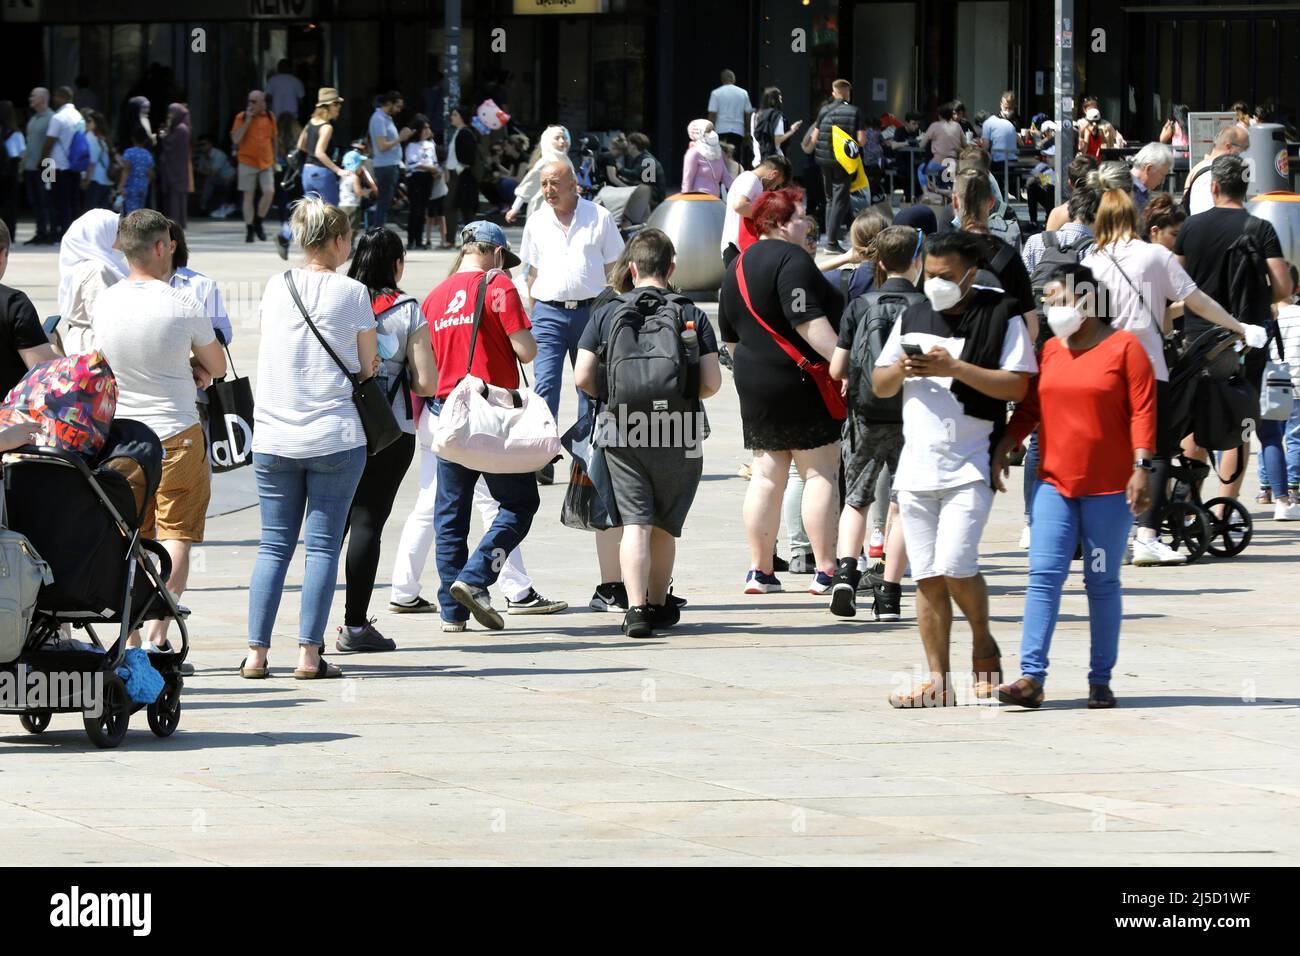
(1064,320)
(943,293)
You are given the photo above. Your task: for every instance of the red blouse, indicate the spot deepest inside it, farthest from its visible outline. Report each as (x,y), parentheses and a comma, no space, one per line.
(1093,410)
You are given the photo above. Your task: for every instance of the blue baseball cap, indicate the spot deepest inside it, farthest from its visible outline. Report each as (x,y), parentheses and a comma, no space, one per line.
(493,235)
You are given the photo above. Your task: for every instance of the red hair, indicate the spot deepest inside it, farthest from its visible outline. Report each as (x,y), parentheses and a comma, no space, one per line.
(772,210)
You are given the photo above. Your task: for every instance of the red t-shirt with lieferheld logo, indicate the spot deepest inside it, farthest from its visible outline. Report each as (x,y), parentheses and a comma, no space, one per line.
(450,311)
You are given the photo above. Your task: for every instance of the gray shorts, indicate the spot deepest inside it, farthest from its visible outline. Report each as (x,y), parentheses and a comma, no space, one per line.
(866,449)
(654,486)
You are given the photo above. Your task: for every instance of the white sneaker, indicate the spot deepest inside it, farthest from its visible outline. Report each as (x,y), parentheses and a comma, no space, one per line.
(1286,511)
(1024,538)
(1155,552)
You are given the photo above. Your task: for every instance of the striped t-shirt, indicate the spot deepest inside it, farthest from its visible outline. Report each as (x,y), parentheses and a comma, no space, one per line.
(304,402)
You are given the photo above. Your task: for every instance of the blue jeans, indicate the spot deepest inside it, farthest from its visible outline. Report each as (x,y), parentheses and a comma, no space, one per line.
(1272,459)
(557,332)
(1032,460)
(925,169)
(386,180)
(1293,447)
(318,181)
(287,488)
(519,500)
(1102,521)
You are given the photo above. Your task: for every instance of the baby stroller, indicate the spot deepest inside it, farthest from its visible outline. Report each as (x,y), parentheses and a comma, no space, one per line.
(1220,526)
(84,521)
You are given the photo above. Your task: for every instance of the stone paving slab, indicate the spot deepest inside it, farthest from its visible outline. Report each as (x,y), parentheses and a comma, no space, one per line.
(757,734)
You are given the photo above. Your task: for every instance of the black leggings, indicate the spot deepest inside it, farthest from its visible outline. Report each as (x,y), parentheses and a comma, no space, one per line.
(418,187)
(1036,194)
(371,506)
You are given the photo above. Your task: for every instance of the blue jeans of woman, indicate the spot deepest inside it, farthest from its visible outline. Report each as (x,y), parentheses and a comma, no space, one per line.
(317,181)
(1272,458)
(321,489)
(1293,447)
(1102,521)
(1032,481)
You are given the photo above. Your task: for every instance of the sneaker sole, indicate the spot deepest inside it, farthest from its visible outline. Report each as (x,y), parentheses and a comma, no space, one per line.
(889,617)
(484,614)
(401,609)
(820,591)
(454,627)
(603,606)
(344,649)
(842,601)
(553,608)
(762,589)
(639,630)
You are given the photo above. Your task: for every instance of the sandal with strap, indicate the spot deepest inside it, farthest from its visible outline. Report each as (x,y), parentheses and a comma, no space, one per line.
(987,672)
(927,695)
(323,670)
(254,673)
(1026,692)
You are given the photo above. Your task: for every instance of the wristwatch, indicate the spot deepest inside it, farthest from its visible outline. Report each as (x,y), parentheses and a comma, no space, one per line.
(1146,464)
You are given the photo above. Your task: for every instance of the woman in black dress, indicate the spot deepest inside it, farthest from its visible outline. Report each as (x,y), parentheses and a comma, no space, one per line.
(782,411)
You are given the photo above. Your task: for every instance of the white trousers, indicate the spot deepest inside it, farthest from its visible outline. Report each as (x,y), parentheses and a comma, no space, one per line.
(418,534)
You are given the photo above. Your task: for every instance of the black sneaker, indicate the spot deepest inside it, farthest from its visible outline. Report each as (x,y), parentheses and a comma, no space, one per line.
(664,615)
(779,564)
(534,603)
(832,249)
(416,605)
(546,474)
(871,577)
(888,601)
(257,228)
(40,239)
(680,602)
(636,622)
(844,590)
(609,597)
(363,640)
(248,233)
(477,602)
(282,246)
(803,564)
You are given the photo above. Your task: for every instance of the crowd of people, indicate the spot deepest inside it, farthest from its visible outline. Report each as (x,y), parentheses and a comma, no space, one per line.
(874,385)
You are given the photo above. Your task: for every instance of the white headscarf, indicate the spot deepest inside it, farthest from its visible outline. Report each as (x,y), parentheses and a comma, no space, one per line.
(89,238)
(549,153)
(704,138)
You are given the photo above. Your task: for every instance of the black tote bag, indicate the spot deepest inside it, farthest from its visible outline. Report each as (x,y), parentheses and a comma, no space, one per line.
(230,419)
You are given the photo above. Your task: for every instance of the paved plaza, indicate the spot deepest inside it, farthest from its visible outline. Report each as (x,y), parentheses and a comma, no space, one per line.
(757,733)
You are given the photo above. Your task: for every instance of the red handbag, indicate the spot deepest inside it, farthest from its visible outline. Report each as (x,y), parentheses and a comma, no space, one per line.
(819,372)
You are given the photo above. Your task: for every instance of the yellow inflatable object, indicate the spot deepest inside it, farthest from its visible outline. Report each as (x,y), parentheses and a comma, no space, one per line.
(849,155)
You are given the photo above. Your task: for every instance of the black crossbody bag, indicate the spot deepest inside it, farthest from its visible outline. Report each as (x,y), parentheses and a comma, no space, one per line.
(373,407)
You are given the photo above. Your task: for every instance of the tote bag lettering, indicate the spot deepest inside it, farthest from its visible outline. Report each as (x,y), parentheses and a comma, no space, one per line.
(230,419)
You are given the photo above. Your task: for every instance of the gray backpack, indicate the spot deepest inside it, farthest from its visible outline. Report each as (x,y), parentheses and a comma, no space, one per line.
(22,572)
(647,366)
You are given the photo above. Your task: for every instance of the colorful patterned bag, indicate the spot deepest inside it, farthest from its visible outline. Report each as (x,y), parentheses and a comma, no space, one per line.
(71,401)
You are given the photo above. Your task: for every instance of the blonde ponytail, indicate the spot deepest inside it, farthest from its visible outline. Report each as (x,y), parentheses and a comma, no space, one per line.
(315,223)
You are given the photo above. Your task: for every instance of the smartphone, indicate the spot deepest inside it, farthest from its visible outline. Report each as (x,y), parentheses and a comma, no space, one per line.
(910,349)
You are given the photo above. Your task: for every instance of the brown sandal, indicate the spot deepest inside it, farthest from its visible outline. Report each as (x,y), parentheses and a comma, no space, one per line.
(927,695)
(253,673)
(323,670)
(987,672)
(1026,692)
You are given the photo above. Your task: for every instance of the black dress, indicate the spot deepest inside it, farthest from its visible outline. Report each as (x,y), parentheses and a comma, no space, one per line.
(780,407)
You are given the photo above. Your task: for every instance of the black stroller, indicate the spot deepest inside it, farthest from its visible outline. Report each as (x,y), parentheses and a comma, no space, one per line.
(84,521)
(1220,526)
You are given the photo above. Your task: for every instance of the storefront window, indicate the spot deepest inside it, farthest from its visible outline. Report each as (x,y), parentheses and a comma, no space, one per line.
(65,55)
(618,76)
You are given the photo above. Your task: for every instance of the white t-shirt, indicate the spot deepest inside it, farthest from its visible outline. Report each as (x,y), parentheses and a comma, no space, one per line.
(1162,280)
(747,184)
(89,280)
(570,265)
(63,124)
(147,331)
(285,90)
(304,402)
(731,103)
(944,447)
(421,153)
(1200,198)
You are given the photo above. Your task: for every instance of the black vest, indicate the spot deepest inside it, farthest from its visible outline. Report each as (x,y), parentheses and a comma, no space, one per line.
(839,113)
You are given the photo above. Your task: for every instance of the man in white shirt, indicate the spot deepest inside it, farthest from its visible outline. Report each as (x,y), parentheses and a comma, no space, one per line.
(1197,198)
(284,90)
(160,344)
(771,174)
(729,110)
(64,125)
(958,358)
(568,248)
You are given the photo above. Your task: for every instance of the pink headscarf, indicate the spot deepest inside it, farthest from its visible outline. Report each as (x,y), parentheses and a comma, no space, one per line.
(704,138)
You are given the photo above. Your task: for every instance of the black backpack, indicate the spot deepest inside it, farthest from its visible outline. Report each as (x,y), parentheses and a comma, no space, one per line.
(873,316)
(1054,256)
(1250,292)
(646,366)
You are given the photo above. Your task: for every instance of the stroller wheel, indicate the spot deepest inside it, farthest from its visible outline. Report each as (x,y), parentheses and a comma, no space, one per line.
(1188,528)
(1230,534)
(165,713)
(107,729)
(35,722)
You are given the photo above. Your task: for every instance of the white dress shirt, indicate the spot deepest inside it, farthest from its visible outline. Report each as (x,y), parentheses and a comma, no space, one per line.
(570,265)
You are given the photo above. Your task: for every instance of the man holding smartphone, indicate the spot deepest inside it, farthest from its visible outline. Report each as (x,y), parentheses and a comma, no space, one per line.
(958,358)
(386,152)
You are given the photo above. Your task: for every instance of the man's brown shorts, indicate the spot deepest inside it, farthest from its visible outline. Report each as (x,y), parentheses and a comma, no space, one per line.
(180,508)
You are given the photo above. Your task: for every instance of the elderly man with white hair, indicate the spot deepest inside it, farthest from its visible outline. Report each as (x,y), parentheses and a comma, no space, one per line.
(1151,167)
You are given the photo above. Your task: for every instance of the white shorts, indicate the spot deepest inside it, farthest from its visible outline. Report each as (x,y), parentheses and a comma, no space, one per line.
(943,529)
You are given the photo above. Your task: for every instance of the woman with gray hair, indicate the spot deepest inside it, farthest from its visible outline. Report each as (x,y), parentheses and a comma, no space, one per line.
(1151,167)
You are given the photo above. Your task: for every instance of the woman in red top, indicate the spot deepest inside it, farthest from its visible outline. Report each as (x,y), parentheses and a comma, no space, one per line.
(1095,387)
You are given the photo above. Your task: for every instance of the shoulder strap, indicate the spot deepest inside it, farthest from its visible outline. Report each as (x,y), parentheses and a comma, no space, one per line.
(795,355)
(1136,288)
(478,318)
(1002,259)
(293,291)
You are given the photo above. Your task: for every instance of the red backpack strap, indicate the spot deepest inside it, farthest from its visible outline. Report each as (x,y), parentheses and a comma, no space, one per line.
(795,355)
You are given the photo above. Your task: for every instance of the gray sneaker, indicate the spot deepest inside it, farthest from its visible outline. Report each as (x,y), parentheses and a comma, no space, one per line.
(365,640)
(479,603)
(534,603)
